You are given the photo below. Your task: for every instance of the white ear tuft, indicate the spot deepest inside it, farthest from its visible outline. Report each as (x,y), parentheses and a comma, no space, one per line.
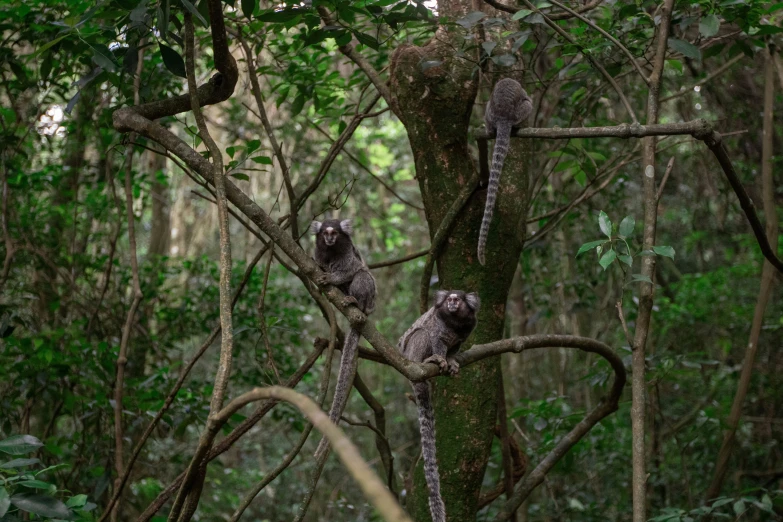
(347,226)
(441,296)
(473,301)
(315,227)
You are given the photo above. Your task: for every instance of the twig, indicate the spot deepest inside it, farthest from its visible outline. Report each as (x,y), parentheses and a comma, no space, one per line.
(256,89)
(669,168)
(334,150)
(366,168)
(559,30)
(381,441)
(226,443)
(606,35)
(440,237)
(350,52)
(621,315)
(262,317)
(717,72)
(553,16)
(374,490)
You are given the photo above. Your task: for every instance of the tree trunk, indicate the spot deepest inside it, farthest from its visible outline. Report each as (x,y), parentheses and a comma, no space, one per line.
(435,106)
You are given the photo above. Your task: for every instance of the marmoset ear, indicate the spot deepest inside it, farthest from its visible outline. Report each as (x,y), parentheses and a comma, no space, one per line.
(473,301)
(315,227)
(441,296)
(347,226)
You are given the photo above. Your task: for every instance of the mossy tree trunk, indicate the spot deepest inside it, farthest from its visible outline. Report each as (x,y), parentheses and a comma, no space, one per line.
(435,104)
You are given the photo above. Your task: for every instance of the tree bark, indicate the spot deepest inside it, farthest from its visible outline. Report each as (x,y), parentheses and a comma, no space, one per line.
(435,106)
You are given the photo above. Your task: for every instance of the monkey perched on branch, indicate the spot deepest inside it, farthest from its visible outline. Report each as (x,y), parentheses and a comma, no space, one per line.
(509,107)
(435,337)
(344,268)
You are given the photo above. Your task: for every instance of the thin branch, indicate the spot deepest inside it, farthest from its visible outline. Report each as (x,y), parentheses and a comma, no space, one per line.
(699,129)
(611,38)
(767,281)
(647,291)
(230,439)
(366,168)
(334,150)
(262,317)
(440,237)
(122,356)
(227,332)
(372,488)
(567,37)
(714,74)
(256,89)
(553,16)
(669,168)
(607,406)
(381,441)
(350,52)
(405,259)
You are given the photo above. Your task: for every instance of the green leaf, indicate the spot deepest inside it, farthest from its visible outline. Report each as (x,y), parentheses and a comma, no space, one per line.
(709,25)
(589,246)
(641,278)
(366,39)
(20,444)
(471,19)
(626,226)
(628,260)
(296,106)
(253,146)
(192,8)
(665,251)
(43,505)
(675,64)
(231,151)
(239,175)
(521,14)
(488,47)
(607,259)
(34,484)
(605,224)
(279,17)
(262,160)
(248,7)
(685,48)
(5,501)
(19,463)
(739,507)
(103,57)
(173,61)
(48,45)
(77,501)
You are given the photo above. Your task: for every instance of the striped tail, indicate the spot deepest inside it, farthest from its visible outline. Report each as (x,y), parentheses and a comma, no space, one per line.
(348,364)
(502,138)
(427,430)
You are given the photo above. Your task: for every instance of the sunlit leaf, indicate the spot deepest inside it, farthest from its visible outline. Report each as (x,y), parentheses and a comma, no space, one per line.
(607,259)
(20,444)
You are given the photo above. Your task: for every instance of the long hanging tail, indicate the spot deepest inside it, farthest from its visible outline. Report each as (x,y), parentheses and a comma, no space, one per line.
(502,139)
(427,430)
(348,364)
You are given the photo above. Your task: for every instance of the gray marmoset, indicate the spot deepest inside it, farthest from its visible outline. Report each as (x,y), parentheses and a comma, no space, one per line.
(509,107)
(344,268)
(435,337)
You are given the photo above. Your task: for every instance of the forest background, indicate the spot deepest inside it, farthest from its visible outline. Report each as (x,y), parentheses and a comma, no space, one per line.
(127,232)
